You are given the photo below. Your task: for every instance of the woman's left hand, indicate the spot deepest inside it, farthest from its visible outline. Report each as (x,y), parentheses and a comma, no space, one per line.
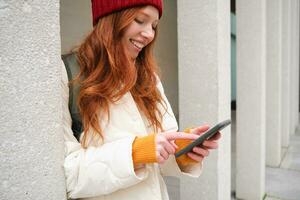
(199,153)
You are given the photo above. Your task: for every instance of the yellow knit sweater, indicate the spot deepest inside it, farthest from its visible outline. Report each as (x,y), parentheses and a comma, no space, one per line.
(143,150)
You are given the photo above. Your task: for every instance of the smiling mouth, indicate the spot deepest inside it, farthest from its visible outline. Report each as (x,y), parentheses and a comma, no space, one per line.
(138,45)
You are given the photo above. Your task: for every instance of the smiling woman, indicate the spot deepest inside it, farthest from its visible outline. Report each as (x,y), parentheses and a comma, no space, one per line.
(141,31)
(125,46)
(129,133)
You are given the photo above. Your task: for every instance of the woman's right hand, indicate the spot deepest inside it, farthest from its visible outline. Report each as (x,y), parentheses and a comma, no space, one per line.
(164,144)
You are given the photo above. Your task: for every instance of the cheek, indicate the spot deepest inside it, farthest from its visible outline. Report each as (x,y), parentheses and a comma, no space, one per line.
(131,30)
(125,41)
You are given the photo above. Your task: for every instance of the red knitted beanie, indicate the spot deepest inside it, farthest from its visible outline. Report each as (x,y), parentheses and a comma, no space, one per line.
(101,8)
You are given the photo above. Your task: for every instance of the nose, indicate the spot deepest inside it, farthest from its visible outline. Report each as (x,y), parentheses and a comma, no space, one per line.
(148,33)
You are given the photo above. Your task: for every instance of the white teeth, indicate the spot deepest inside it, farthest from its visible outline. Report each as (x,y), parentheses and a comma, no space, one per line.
(137,44)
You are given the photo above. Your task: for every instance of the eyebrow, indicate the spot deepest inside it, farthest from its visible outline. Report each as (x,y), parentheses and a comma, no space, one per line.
(149,16)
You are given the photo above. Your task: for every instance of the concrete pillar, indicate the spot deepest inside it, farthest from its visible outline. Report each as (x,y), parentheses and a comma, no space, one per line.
(286,68)
(251,99)
(294,72)
(292,65)
(295,63)
(273,87)
(31,150)
(204,88)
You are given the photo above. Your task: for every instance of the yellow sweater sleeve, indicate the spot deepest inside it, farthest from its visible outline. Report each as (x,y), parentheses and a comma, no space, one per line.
(143,150)
(184,160)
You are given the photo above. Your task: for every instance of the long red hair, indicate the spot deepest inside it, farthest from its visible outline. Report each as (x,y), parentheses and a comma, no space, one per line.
(107,72)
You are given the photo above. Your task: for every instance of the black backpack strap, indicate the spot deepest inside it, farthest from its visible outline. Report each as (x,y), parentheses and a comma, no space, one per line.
(73,69)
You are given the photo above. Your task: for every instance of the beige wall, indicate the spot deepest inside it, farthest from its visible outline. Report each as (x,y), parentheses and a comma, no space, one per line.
(76,22)
(166,52)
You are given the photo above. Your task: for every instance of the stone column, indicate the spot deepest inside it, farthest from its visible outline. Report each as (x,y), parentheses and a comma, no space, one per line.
(292,65)
(31,150)
(286,78)
(251,99)
(295,63)
(273,87)
(204,88)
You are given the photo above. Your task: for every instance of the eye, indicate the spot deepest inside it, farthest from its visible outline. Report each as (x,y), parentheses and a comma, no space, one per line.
(139,21)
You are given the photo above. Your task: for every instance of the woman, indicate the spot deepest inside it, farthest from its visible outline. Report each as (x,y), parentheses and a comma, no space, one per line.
(130,132)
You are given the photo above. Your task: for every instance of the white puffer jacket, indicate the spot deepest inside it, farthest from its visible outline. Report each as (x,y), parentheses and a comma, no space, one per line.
(104,171)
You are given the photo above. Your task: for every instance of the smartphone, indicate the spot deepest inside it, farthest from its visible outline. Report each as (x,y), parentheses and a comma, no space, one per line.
(208,134)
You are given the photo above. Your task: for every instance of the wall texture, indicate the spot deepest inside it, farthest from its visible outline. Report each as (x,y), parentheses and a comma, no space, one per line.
(31,147)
